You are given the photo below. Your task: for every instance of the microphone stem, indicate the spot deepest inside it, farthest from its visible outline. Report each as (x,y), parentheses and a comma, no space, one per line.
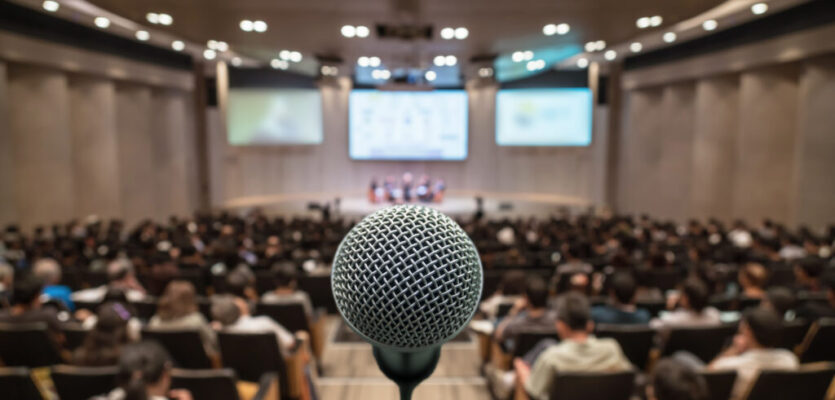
(406,390)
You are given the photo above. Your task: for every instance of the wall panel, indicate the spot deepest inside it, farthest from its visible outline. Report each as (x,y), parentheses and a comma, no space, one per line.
(8,204)
(136,159)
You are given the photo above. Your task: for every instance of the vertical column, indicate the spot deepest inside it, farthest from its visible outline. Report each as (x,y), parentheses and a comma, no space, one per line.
(764,173)
(41,145)
(94,147)
(611,141)
(136,171)
(676,136)
(8,206)
(814,160)
(169,152)
(640,151)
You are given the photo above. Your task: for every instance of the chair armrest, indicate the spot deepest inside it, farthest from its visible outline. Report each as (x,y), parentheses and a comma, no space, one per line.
(267,387)
(296,365)
(318,329)
(483,347)
(498,356)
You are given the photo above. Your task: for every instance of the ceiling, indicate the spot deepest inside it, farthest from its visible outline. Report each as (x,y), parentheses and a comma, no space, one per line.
(496,27)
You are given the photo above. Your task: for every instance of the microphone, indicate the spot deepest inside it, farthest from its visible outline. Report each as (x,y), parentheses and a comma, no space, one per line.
(407,279)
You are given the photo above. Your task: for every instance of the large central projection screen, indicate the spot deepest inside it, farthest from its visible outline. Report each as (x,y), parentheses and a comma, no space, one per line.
(402,125)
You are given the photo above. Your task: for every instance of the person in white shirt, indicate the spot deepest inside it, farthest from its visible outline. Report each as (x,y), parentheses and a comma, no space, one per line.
(232,314)
(754,348)
(286,291)
(120,274)
(692,309)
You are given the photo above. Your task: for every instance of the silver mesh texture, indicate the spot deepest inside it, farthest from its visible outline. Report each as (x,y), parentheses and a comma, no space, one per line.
(407,277)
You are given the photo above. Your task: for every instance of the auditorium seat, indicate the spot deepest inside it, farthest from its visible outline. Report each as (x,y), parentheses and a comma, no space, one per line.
(195,277)
(502,354)
(17,384)
(664,279)
(222,384)
(184,346)
(145,309)
(264,281)
(293,317)
(92,306)
(593,386)
(719,384)
(810,382)
(819,344)
(27,345)
(793,334)
(319,289)
(703,342)
(635,340)
(81,383)
(653,306)
(503,309)
(74,336)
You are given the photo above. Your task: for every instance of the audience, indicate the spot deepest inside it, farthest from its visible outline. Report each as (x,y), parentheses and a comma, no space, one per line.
(808,272)
(232,314)
(103,344)
(752,279)
(690,308)
(120,275)
(508,292)
(26,308)
(49,272)
(674,380)
(529,313)
(145,374)
(622,310)
(780,300)
(6,281)
(177,309)
(286,290)
(814,310)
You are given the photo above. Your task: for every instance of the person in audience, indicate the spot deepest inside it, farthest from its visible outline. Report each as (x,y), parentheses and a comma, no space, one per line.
(571,261)
(48,271)
(530,312)
(509,291)
(177,309)
(754,348)
(6,281)
(286,291)
(752,279)
(232,314)
(145,374)
(807,273)
(240,282)
(622,310)
(120,275)
(781,300)
(161,271)
(578,351)
(814,310)
(691,308)
(26,308)
(792,249)
(674,380)
(103,344)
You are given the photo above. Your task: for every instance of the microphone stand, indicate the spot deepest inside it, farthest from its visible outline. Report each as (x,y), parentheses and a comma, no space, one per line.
(407,369)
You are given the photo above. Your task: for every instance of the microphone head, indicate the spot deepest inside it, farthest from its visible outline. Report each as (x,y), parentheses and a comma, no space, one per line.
(407,278)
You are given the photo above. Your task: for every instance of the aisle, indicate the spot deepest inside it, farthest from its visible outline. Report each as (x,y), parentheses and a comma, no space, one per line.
(349,372)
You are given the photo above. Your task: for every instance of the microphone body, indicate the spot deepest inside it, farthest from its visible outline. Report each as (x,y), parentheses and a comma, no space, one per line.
(407,279)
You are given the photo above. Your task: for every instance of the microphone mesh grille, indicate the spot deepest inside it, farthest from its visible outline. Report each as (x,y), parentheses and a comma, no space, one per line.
(407,277)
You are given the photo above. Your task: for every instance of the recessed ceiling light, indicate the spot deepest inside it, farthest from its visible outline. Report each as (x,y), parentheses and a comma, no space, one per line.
(549,30)
(143,35)
(527,55)
(381,74)
(710,25)
(348,31)
(51,6)
(610,55)
(655,20)
(439,61)
(295,56)
(600,45)
(669,37)
(363,61)
(165,19)
(178,45)
(636,47)
(563,28)
(246,25)
(582,62)
(535,65)
(328,70)
(642,23)
(590,47)
(209,54)
(485,72)
(284,54)
(517,56)
(447,33)
(363,31)
(451,60)
(152,18)
(430,75)
(102,22)
(276,63)
(236,61)
(374,61)
(461,33)
(759,8)
(259,26)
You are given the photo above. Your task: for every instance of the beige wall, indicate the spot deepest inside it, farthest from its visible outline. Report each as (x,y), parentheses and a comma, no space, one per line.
(8,204)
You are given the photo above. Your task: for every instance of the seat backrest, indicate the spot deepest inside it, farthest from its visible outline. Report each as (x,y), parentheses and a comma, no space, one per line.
(719,384)
(793,334)
(319,289)
(87,305)
(17,383)
(503,309)
(27,345)
(290,315)
(653,306)
(264,281)
(74,336)
(81,383)
(820,344)
(251,355)
(664,279)
(145,309)
(593,386)
(204,305)
(703,342)
(808,383)
(184,345)
(634,340)
(208,384)
(527,340)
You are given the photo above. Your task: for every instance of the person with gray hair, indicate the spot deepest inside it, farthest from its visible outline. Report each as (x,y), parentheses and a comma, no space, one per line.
(231,313)
(120,275)
(6,281)
(49,272)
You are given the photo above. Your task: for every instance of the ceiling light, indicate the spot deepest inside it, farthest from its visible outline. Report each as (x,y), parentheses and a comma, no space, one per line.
(295,56)
(599,45)
(461,33)
(430,75)
(363,61)
(643,23)
(102,22)
(279,64)
(590,47)
(178,45)
(51,6)
(710,25)
(758,9)
(348,31)
(328,70)
(610,55)
(222,46)
(636,47)
(284,54)
(363,31)
(562,29)
(439,61)
(381,74)
(535,65)
(517,56)
(669,37)
(259,26)
(236,61)
(582,62)
(451,60)
(374,61)
(165,19)
(152,18)
(246,25)
(527,55)
(549,30)
(447,33)
(485,72)
(143,35)
(655,20)
(209,54)
(385,74)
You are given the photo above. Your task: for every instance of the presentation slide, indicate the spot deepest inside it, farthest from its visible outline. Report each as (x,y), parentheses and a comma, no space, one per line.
(544,117)
(408,125)
(274,116)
